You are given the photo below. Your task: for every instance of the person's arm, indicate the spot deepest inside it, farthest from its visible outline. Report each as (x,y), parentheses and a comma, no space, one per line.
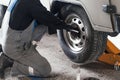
(40,13)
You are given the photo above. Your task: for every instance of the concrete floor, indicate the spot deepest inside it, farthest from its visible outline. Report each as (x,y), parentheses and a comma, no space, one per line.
(64,69)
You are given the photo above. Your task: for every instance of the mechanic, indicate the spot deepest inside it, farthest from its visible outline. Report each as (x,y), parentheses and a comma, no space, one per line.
(21,38)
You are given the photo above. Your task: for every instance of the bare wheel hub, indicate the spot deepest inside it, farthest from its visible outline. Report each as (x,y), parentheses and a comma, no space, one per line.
(76,41)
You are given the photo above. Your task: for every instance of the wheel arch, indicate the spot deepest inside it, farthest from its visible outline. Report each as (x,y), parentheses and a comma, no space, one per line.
(91,42)
(57,5)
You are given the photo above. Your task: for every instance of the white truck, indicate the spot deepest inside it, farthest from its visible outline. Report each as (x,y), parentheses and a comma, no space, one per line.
(95,20)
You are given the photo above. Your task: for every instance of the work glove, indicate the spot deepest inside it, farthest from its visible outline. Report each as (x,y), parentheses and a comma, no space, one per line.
(72,29)
(68,27)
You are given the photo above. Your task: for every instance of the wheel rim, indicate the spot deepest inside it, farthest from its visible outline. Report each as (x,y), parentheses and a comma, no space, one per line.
(76,42)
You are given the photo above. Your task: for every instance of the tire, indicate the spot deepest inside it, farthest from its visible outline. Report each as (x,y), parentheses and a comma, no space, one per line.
(85,46)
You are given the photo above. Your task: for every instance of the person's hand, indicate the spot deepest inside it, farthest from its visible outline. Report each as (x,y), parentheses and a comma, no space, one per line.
(72,29)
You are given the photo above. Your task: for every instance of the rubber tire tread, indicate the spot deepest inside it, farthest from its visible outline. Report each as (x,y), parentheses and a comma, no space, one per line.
(97,40)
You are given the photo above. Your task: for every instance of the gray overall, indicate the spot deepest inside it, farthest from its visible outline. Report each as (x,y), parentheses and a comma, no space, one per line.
(18,46)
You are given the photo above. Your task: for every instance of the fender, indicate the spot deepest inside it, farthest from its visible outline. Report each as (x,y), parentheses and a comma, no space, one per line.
(90,6)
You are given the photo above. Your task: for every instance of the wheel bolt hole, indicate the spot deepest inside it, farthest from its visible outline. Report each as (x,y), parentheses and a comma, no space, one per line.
(81,43)
(83,37)
(76,44)
(74,19)
(79,22)
(83,29)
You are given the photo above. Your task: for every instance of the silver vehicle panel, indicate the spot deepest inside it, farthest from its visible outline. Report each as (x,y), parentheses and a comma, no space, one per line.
(94,8)
(100,20)
(117,4)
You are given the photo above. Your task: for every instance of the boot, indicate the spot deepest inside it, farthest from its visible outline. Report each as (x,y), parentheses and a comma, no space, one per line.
(5,62)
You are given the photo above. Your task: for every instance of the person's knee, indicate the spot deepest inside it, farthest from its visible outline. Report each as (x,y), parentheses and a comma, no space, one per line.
(7,50)
(11,52)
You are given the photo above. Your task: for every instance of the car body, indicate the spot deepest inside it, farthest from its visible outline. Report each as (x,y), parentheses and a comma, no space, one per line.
(99,19)
(94,19)
(104,16)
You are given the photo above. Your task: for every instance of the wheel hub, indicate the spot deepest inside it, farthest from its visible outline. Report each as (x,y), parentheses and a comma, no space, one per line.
(75,37)
(76,41)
